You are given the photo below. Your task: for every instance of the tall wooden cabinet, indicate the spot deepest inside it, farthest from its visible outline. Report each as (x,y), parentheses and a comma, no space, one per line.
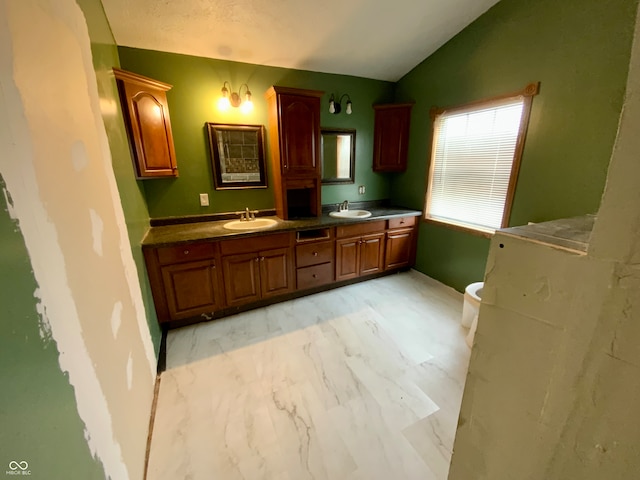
(146,113)
(391,137)
(294,139)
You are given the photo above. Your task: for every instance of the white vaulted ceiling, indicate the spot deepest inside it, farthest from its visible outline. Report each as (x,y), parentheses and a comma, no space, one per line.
(379,39)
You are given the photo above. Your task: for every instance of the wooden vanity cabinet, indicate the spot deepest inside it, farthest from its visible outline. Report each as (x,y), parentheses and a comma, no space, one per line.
(360,249)
(146,113)
(294,139)
(400,243)
(185,280)
(257,268)
(391,137)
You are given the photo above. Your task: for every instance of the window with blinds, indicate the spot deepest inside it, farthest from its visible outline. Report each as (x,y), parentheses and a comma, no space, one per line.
(474,162)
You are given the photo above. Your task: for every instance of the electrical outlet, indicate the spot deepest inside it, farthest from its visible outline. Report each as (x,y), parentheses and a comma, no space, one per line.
(361,189)
(204,199)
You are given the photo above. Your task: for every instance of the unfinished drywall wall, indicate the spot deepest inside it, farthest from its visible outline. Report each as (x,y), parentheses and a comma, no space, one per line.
(554,378)
(60,184)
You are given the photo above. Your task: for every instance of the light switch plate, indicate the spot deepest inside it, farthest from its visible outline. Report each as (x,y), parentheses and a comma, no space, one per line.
(204,199)
(361,189)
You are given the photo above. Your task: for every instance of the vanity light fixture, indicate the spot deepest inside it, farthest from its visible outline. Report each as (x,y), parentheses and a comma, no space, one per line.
(334,107)
(235,99)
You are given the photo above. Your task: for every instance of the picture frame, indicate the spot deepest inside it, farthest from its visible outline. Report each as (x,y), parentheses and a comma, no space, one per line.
(237,156)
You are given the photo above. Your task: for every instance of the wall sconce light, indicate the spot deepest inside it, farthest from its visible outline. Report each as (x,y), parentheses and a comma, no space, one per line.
(334,107)
(235,99)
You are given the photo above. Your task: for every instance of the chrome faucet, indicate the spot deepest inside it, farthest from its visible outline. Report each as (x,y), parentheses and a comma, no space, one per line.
(247,214)
(344,206)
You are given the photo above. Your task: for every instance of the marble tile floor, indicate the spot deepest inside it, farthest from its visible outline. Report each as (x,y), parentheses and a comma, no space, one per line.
(362,382)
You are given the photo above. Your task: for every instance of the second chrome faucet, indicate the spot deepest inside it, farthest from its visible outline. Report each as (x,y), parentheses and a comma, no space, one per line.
(247,214)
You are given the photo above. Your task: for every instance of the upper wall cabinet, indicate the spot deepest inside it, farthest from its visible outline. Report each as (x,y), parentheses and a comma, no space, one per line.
(146,114)
(297,118)
(294,138)
(391,137)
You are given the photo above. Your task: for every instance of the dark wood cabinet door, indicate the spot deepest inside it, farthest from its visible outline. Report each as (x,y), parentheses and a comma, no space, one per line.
(299,135)
(347,258)
(276,275)
(191,288)
(399,249)
(146,113)
(391,137)
(241,278)
(371,253)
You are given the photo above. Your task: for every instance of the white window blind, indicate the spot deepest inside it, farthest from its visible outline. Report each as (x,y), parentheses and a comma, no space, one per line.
(471,163)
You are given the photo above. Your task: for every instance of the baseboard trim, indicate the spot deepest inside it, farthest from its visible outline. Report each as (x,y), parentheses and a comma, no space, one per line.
(152,418)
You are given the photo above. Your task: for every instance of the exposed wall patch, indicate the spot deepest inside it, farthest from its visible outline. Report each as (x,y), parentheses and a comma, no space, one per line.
(97,228)
(50,132)
(44,327)
(116,319)
(130,372)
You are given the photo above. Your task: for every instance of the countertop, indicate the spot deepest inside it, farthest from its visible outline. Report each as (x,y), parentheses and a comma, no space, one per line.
(190,232)
(567,233)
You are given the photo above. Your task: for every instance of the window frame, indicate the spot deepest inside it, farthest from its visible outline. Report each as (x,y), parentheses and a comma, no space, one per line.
(527,94)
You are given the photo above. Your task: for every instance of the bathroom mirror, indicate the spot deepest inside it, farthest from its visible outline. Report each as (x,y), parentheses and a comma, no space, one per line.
(338,147)
(237,156)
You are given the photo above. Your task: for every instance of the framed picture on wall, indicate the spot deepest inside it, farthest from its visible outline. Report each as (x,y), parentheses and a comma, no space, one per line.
(237,156)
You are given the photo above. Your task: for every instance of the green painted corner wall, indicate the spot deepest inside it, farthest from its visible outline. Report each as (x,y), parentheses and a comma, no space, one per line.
(37,404)
(193,100)
(579,50)
(105,56)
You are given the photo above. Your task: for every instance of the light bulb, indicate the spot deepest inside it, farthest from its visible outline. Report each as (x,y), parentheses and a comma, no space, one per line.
(247,106)
(332,107)
(348,108)
(224,104)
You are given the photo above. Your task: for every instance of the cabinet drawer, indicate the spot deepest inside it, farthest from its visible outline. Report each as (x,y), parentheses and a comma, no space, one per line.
(360,228)
(309,277)
(255,244)
(186,253)
(402,222)
(314,253)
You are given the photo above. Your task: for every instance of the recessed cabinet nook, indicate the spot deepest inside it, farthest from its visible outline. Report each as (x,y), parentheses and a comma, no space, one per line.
(221,272)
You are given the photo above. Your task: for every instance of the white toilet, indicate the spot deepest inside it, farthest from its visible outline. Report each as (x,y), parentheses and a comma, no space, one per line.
(472,296)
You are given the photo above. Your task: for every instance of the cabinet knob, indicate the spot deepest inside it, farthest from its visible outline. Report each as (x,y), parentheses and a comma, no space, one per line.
(401,222)
(262,259)
(314,275)
(257,259)
(315,254)
(186,252)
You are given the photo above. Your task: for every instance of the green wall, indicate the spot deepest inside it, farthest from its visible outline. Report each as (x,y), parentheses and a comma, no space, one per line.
(579,51)
(105,57)
(38,415)
(193,100)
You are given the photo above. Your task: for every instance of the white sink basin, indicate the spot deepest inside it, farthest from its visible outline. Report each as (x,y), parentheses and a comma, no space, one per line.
(257,224)
(351,214)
